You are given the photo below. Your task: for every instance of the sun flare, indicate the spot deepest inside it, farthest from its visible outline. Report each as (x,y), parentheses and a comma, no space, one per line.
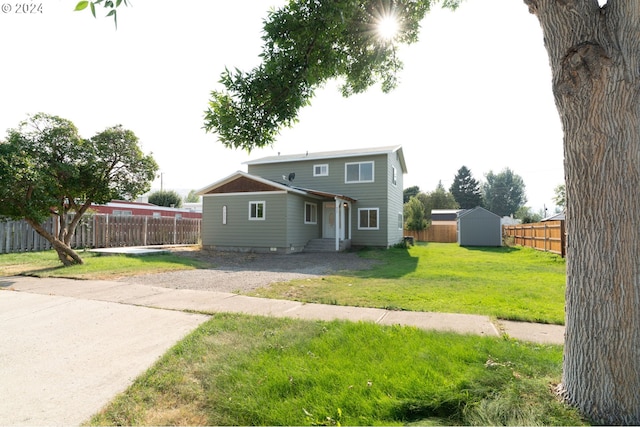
(388,27)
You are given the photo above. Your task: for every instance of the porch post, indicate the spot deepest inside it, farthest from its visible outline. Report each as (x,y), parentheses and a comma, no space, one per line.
(350,215)
(337,216)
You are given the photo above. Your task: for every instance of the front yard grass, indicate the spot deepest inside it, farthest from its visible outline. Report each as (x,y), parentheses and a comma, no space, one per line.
(245,370)
(510,283)
(96,266)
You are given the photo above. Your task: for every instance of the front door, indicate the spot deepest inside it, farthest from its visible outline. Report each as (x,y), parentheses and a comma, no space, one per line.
(329,220)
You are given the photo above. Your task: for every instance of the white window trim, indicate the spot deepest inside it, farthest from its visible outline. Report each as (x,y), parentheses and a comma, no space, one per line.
(360,180)
(322,166)
(394,176)
(224,215)
(264,210)
(314,215)
(377,227)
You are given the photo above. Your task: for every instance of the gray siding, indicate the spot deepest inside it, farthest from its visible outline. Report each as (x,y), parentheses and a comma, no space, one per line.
(284,227)
(300,233)
(239,231)
(379,194)
(479,227)
(394,200)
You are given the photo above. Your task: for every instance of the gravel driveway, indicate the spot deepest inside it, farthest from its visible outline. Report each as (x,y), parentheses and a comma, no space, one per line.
(243,272)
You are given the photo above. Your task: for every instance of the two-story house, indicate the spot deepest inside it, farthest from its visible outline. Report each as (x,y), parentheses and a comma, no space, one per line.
(288,203)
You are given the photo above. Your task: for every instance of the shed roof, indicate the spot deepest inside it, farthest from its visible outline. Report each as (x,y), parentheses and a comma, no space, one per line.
(326,155)
(466,212)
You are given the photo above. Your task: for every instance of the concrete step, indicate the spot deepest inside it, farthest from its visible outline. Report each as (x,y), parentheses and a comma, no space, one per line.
(323,245)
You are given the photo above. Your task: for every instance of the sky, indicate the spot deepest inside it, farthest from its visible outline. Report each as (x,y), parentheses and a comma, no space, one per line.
(474,91)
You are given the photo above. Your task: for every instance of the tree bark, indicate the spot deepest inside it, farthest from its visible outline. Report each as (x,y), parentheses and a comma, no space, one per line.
(593,54)
(66,255)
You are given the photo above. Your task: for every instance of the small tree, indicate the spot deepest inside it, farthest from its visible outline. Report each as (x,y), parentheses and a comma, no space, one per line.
(527,215)
(192,197)
(560,195)
(439,199)
(414,215)
(168,198)
(46,169)
(466,189)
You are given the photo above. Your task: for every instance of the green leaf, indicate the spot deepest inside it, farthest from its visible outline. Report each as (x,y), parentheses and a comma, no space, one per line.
(81,5)
(93,9)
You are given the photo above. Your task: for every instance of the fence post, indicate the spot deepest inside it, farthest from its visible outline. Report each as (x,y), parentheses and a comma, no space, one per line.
(175,229)
(563,240)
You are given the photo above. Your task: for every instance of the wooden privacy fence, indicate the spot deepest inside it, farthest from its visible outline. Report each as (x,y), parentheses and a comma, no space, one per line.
(548,236)
(18,236)
(441,233)
(104,231)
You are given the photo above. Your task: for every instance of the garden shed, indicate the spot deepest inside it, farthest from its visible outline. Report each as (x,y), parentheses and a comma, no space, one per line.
(479,227)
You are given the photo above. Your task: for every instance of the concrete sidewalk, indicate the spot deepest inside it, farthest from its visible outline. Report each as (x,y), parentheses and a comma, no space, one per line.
(69,346)
(214,302)
(62,359)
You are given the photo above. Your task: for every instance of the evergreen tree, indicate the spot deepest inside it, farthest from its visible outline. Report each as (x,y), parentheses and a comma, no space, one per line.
(466,189)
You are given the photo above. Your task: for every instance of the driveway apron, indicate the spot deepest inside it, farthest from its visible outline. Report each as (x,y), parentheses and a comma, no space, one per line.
(62,359)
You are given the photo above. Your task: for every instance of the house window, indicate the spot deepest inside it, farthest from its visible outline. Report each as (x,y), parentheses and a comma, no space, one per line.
(256,211)
(394,175)
(178,216)
(224,215)
(157,215)
(359,172)
(320,170)
(368,219)
(310,213)
(400,221)
(122,213)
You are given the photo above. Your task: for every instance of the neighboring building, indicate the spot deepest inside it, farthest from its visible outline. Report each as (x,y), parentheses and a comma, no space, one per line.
(444,216)
(124,208)
(330,200)
(479,227)
(555,217)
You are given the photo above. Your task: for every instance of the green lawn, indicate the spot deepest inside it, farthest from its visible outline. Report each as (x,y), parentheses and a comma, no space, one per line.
(96,266)
(508,283)
(243,370)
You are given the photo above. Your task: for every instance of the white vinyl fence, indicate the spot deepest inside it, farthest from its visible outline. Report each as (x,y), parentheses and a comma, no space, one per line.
(104,231)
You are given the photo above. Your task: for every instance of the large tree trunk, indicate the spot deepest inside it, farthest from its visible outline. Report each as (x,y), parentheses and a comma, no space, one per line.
(594,60)
(66,255)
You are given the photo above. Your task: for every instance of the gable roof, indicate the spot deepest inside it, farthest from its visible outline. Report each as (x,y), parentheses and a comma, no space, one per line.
(326,155)
(466,212)
(242,182)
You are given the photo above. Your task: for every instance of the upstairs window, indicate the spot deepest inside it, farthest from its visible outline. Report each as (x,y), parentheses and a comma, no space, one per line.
(359,172)
(394,175)
(256,211)
(321,170)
